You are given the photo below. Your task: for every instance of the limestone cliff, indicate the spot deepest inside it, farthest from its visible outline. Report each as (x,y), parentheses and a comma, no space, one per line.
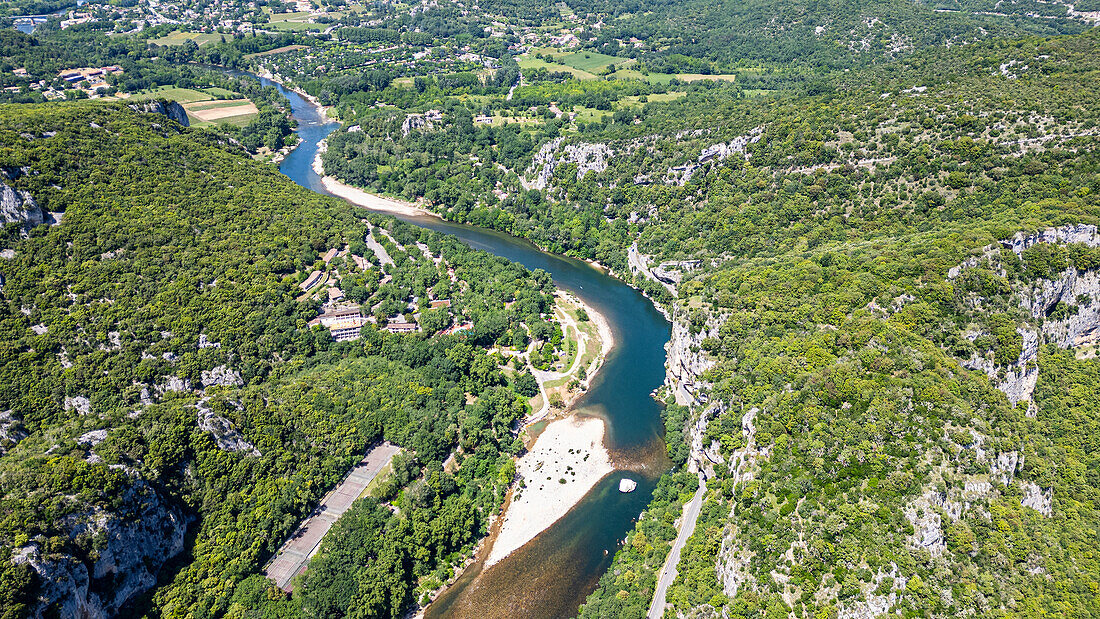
(1079,290)
(128,548)
(171,109)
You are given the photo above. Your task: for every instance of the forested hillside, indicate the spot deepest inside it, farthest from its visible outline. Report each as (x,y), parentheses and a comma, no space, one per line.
(168,414)
(868,422)
(810,35)
(863,295)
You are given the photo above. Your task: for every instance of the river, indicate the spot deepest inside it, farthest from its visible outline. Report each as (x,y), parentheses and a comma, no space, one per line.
(553,574)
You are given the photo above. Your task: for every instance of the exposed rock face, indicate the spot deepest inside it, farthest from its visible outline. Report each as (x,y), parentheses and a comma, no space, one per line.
(686,363)
(1038,499)
(416,121)
(171,109)
(17,206)
(224,432)
(588,157)
(927,526)
(11,431)
(732,566)
(80,404)
(1071,288)
(174,383)
(871,604)
(222,376)
(681,174)
(673,271)
(132,546)
(204,342)
(639,264)
(92,438)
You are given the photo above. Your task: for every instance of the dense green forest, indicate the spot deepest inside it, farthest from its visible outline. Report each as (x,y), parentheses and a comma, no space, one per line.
(829,220)
(898,408)
(880,469)
(178,260)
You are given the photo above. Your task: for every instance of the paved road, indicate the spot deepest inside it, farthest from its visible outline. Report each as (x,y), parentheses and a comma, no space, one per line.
(296,552)
(668,571)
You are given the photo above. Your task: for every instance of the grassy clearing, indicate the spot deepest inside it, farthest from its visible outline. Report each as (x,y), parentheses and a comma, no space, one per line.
(277,50)
(182,95)
(594,62)
(379,479)
(179,38)
(220,92)
(695,77)
(294,26)
(652,78)
(589,114)
(526,62)
(586,332)
(636,102)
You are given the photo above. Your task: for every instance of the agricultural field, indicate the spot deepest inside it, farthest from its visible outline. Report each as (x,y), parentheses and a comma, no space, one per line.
(235,111)
(293,22)
(182,95)
(538,63)
(179,38)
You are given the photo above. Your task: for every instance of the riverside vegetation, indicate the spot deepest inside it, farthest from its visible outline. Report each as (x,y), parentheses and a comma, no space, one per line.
(898,408)
(166,298)
(879,473)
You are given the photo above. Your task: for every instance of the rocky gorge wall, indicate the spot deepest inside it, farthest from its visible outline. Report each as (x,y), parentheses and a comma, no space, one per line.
(129,547)
(1073,288)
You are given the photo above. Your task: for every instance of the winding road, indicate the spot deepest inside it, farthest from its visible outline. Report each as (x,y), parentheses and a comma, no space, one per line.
(668,570)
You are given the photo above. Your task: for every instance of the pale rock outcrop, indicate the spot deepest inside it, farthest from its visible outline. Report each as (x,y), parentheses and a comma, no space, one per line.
(224,432)
(221,376)
(93,438)
(171,109)
(639,265)
(588,157)
(732,566)
(1003,468)
(1038,499)
(681,174)
(672,272)
(927,529)
(417,121)
(205,342)
(80,404)
(1081,290)
(132,545)
(11,431)
(686,363)
(18,206)
(870,604)
(174,383)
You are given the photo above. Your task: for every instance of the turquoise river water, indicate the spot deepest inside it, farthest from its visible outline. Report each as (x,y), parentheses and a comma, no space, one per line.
(552,575)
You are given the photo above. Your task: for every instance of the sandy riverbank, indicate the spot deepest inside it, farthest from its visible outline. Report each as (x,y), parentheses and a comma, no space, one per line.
(568,449)
(607,338)
(362,198)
